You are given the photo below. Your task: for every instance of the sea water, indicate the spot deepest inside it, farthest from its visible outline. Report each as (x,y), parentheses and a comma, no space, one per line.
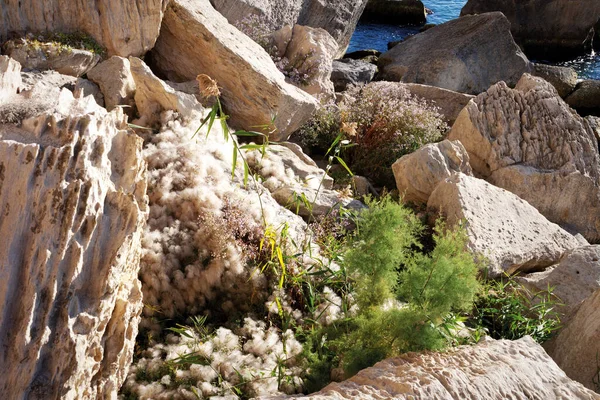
(377,36)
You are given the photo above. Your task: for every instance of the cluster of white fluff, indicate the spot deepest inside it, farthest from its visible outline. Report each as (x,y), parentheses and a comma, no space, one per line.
(190,257)
(256,359)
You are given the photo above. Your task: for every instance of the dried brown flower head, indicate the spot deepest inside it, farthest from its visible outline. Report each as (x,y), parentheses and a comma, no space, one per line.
(208,86)
(349,128)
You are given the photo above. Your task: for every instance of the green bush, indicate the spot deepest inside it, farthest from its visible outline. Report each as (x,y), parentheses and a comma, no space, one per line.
(507,310)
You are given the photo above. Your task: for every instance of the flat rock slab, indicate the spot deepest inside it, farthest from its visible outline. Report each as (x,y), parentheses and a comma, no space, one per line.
(492,369)
(508,231)
(253,90)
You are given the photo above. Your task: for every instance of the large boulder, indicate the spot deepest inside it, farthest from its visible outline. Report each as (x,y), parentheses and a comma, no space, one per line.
(564,79)
(546,29)
(124,28)
(576,350)
(10,78)
(575,278)
(508,231)
(528,141)
(466,55)
(338,17)
(253,89)
(417,174)
(585,98)
(502,369)
(397,12)
(347,71)
(73,205)
(306,55)
(116,83)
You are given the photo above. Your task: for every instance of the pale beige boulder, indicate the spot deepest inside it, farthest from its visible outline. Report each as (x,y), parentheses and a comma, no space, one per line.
(308,54)
(449,103)
(73,205)
(576,350)
(508,231)
(253,90)
(528,141)
(417,174)
(10,78)
(338,17)
(116,83)
(124,28)
(492,369)
(575,278)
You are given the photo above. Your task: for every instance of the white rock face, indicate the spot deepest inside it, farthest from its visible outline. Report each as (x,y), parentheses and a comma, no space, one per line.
(576,348)
(575,278)
(253,89)
(417,174)
(10,78)
(492,369)
(507,230)
(73,205)
(124,28)
(529,141)
(338,17)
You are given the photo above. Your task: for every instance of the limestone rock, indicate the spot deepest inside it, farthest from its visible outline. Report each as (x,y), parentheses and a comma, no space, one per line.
(586,97)
(347,71)
(546,29)
(466,55)
(531,143)
(449,103)
(507,230)
(575,278)
(49,79)
(397,12)
(492,369)
(73,205)
(309,52)
(153,96)
(577,346)
(116,83)
(253,90)
(124,28)
(10,78)
(84,87)
(52,56)
(417,174)
(564,79)
(338,17)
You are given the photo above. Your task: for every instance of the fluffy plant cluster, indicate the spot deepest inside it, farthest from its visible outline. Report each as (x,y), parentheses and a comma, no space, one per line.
(384,121)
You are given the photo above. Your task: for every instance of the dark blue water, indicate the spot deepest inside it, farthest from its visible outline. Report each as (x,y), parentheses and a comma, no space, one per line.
(377,36)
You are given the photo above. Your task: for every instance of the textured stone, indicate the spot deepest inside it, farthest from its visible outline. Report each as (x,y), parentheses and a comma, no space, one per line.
(73,205)
(52,56)
(466,55)
(546,29)
(395,12)
(564,79)
(253,90)
(509,232)
(310,51)
(531,143)
(575,278)
(347,71)
(577,347)
(123,27)
(10,78)
(338,17)
(84,87)
(502,369)
(417,174)
(116,83)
